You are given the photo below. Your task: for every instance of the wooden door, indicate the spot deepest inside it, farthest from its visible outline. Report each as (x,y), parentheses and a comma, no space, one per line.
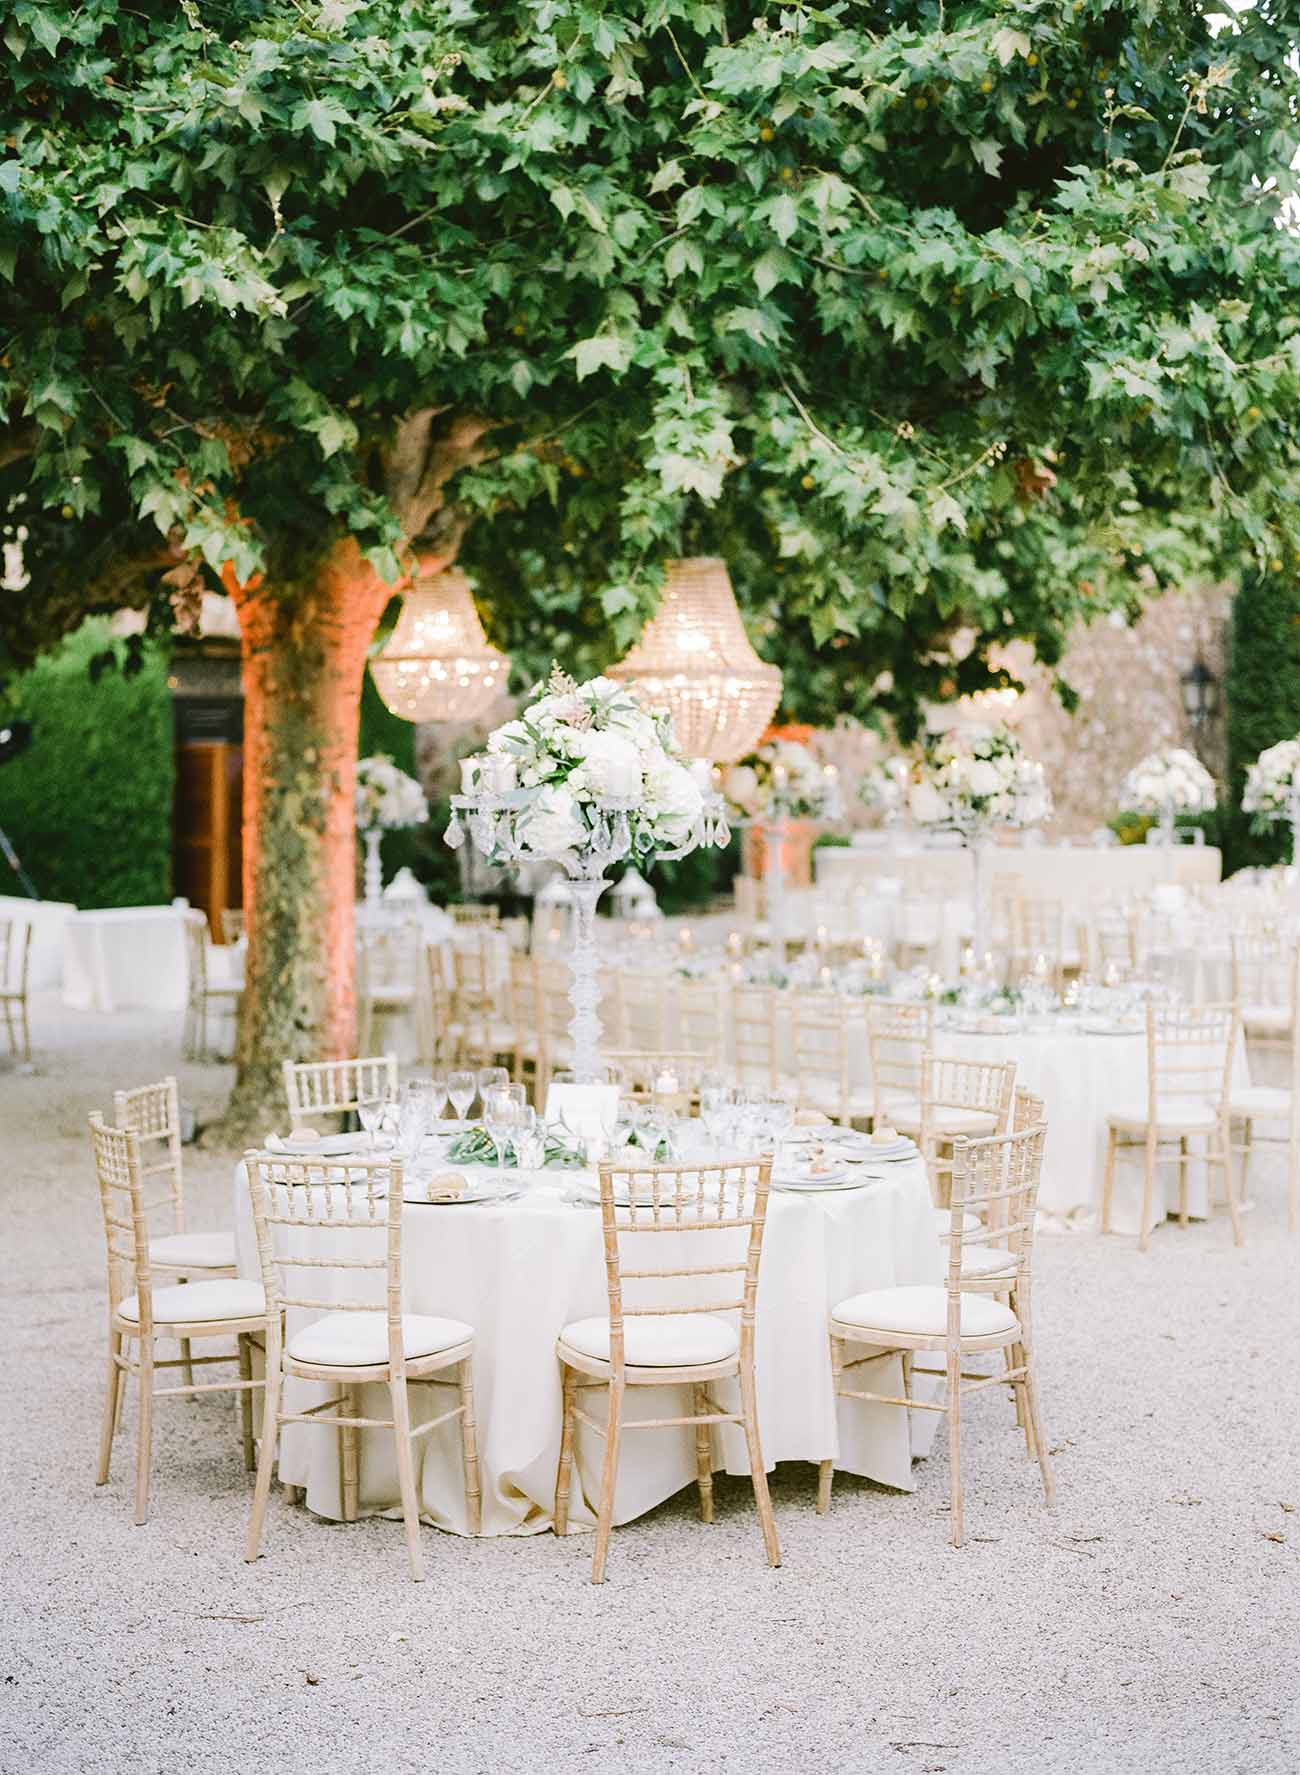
(206,826)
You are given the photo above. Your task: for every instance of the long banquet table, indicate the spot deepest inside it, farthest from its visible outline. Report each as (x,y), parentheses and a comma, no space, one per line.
(1078,874)
(519,1271)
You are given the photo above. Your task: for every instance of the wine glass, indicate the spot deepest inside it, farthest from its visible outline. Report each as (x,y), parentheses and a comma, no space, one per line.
(780,1120)
(437,1096)
(412,1117)
(500,1118)
(529,1140)
(491,1078)
(370,1111)
(461,1087)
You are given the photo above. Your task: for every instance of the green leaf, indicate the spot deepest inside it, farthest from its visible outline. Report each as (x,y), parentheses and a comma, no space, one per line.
(783,217)
(989,155)
(9,174)
(604,351)
(1008,43)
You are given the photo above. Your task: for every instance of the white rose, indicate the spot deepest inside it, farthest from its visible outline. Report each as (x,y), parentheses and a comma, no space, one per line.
(553,824)
(672,800)
(983,778)
(611,764)
(927,806)
(740,785)
(508,738)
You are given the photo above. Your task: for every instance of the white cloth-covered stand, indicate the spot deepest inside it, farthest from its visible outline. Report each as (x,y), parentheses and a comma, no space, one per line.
(519,1271)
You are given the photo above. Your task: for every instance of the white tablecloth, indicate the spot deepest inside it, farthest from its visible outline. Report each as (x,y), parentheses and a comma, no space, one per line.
(519,1271)
(47,919)
(1077,874)
(125,957)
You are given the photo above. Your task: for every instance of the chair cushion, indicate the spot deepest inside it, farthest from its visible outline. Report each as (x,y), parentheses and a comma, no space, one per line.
(360,1340)
(922,1311)
(987,1260)
(1260,1100)
(1191,1113)
(1266,1019)
(822,1093)
(198,1251)
(229,1298)
(677,1340)
(904,1113)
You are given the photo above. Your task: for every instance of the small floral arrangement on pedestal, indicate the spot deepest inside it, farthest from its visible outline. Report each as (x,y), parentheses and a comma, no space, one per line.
(971,778)
(1272,789)
(884,785)
(1168,783)
(580,745)
(782,780)
(386,798)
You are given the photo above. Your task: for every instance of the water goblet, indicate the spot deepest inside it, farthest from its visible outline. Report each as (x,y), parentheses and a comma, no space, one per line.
(370,1112)
(461,1087)
(500,1119)
(489,1078)
(438,1096)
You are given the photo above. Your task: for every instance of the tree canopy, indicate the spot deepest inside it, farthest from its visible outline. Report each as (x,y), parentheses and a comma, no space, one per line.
(925,317)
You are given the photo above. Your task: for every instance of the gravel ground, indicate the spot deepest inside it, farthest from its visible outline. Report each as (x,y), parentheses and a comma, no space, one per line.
(1151,1623)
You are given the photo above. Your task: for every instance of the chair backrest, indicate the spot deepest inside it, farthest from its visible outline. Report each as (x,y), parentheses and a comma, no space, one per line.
(899,1036)
(126,1223)
(640,1010)
(153,1113)
(994,1197)
(196,954)
(701,1007)
(327,1087)
(755,1052)
(951,1083)
(554,1009)
(1026,1110)
(1262,971)
(1115,937)
(717,1211)
(233,926)
(1189,1053)
(334,1221)
(523,991)
(819,1024)
(1038,927)
(473,913)
(15,956)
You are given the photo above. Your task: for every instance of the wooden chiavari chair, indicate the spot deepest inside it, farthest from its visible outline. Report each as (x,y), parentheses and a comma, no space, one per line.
(200,992)
(554,1012)
(1263,990)
(959,1097)
(139,1315)
(661,1331)
(1273,1104)
(899,1036)
(1115,940)
(480,976)
(700,1009)
(336,1087)
(153,1114)
(994,1193)
(756,1053)
(527,1054)
(1189,1070)
(438,1032)
(640,1011)
(388,971)
(825,1030)
(15,966)
(1038,928)
(302,1210)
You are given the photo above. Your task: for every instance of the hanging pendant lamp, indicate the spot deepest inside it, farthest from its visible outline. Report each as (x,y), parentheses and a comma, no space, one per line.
(695,659)
(438,665)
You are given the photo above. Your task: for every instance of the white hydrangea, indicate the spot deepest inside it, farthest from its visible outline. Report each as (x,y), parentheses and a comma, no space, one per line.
(1170,782)
(783,779)
(1273,783)
(552,824)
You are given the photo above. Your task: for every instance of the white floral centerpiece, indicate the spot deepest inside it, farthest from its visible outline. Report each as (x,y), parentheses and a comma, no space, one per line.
(387,800)
(1168,783)
(884,785)
(1272,793)
(585,776)
(782,780)
(970,779)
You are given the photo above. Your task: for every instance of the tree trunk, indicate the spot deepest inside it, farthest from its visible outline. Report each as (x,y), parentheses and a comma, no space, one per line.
(304,653)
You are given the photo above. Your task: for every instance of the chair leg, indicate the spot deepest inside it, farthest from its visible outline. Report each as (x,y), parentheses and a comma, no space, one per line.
(187,1366)
(1108,1177)
(469,1449)
(954,1447)
(1184,1219)
(565,1468)
(144,1433)
(350,1454)
(1230,1177)
(1036,1429)
(826,1472)
(703,1455)
(608,1481)
(406,1475)
(27,1033)
(758,1472)
(266,1452)
(246,1401)
(115,1388)
(1148,1187)
(1018,1358)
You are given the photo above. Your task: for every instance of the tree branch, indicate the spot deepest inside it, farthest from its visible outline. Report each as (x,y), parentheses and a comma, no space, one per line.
(17,443)
(416,496)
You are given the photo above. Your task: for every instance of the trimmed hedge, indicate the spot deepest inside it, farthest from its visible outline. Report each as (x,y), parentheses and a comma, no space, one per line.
(1262,694)
(89,807)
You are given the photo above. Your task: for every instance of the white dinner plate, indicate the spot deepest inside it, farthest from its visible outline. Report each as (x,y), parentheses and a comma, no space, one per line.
(822,1180)
(325,1146)
(476,1190)
(813,1186)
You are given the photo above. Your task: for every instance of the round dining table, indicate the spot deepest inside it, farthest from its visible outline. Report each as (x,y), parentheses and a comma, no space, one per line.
(519,1270)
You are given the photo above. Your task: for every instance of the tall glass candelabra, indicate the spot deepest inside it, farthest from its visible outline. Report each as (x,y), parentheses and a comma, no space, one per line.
(494,825)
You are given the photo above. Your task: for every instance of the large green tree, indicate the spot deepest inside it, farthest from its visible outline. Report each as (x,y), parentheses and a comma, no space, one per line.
(924,316)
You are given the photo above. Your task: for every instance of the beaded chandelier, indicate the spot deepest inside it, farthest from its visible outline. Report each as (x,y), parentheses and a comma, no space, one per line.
(695,659)
(438,665)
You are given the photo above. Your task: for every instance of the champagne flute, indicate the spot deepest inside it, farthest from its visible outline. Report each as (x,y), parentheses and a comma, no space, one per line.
(438,1096)
(461,1087)
(370,1112)
(499,1118)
